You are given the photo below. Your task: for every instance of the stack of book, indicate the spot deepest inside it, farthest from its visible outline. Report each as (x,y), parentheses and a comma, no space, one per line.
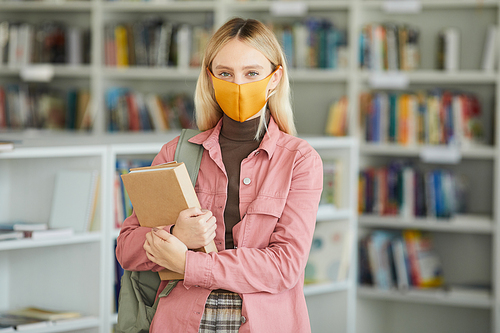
(400,189)
(433,117)
(155,42)
(34,106)
(129,110)
(399,260)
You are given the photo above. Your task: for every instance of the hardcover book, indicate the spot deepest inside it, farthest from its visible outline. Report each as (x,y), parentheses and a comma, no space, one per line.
(158,194)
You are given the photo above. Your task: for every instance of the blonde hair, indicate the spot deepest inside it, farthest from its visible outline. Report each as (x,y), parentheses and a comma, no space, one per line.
(260,37)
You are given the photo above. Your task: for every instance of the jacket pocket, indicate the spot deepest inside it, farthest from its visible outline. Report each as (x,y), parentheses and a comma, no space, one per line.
(259,222)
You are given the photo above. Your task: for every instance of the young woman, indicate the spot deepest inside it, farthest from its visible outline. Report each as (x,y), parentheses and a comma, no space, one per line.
(259,187)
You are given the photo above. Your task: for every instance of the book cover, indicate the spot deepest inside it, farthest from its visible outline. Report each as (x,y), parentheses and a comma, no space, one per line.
(74,199)
(158,194)
(490,49)
(330,251)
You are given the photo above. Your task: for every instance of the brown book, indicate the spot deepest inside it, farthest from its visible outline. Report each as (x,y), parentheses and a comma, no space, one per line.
(158,194)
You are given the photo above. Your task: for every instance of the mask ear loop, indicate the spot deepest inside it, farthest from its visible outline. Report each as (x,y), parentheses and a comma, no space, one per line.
(274,90)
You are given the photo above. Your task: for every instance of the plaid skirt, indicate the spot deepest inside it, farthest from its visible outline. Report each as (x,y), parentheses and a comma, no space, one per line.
(222,313)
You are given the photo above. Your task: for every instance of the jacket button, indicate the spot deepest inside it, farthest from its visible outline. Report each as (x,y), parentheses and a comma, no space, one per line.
(243,319)
(246,181)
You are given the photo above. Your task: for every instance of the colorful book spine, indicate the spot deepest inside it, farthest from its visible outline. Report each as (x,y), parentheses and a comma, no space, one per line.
(436,117)
(399,260)
(401,189)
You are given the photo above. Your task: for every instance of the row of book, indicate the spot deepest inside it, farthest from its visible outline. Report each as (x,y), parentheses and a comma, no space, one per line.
(400,189)
(389,46)
(337,120)
(399,260)
(48,42)
(42,107)
(425,117)
(134,111)
(313,43)
(123,205)
(155,42)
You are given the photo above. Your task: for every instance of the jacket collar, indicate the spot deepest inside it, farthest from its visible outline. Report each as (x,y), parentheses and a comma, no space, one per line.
(210,138)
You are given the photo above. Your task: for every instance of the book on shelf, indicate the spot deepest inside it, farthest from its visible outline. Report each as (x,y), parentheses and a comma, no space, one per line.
(51,233)
(336,123)
(313,43)
(399,189)
(55,43)
(23,226)
(435,117)
(44,314)
(469,290)
(74,200)
(330,253)
(6,145)
(123,206)
(10,234)
(333,175)
(449,49)
(490,52)
(158,194)
(399,260)
(55,109)
(136,111)
(21,323)
(154,42)
(389,46)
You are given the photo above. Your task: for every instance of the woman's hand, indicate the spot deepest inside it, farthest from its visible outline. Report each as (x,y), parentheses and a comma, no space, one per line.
(165,250)
(195,227)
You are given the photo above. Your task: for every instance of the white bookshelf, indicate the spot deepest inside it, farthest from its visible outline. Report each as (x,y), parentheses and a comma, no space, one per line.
(477,231)
(368,310)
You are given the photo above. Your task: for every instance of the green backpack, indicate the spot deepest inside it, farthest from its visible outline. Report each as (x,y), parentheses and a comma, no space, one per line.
(136,302)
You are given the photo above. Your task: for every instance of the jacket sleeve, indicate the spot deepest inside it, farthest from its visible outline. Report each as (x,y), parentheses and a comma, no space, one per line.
(129,244)
(280,265)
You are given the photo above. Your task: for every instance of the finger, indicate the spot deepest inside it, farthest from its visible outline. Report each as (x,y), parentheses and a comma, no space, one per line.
(162,234)
(190,212)
(151,257)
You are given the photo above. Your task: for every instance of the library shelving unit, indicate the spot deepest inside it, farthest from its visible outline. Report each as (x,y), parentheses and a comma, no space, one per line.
(468,243)
(314,91)
(58,273)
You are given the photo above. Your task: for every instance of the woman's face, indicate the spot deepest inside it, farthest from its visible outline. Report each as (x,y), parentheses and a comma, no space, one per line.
(240,63)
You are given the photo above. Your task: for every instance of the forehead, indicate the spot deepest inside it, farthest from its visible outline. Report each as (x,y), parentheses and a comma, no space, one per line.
(237,54)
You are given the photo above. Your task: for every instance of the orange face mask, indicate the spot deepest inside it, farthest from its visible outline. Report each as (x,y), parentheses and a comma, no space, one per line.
(241,101)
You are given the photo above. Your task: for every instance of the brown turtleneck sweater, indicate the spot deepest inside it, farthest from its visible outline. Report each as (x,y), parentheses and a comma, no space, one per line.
(237,141)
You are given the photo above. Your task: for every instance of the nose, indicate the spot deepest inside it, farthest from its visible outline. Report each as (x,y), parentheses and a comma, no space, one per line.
(239,78)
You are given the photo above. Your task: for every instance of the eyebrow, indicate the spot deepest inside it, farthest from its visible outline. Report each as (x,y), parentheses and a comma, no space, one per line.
(246,67)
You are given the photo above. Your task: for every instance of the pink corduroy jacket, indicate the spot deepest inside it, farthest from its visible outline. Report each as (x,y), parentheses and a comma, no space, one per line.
(281,184)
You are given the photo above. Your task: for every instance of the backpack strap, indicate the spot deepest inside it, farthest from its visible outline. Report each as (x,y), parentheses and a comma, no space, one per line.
(189,153)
